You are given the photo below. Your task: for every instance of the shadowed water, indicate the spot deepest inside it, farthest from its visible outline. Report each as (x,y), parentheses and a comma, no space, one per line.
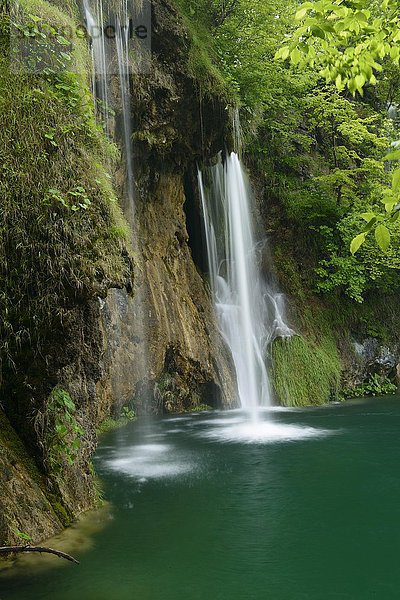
(304,505)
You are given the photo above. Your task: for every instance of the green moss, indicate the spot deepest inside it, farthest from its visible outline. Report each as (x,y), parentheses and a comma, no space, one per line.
(51,148)
(307,368)
(203,61)
(64,16)
(11,445)
(68,7)
(127,416)
(14,453)
(65,518)
(200,408)
(305,373)
(379,317)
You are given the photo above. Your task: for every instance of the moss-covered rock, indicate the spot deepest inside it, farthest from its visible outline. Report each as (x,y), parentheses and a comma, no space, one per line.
(26,508)
(63,243)
(305,373)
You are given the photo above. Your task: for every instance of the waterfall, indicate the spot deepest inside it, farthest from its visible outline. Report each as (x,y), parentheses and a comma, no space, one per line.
(237,132)
(122,45)
(110,55)
(250,311)
(95,25)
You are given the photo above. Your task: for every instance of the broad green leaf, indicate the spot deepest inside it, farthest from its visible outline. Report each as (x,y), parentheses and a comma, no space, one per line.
(339,82)
(396,180)
(371,223)
(351,84)
(357,242)
(301,13)
(367,216)
(389,206)
(304,8)
(382,236)
(393,155)
(283,53)
(296,56)
(360,81)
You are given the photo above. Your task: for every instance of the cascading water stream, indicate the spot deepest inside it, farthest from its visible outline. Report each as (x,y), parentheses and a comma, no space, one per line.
(100,70)
(109,53)
(249,310)
(122,45)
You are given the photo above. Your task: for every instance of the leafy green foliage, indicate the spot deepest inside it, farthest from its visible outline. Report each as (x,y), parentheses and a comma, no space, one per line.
(346,40)
(382,224)
(127,415)
(355,276)
(377,385)
(42,48)
(78,197)
(350,42)
(59,430)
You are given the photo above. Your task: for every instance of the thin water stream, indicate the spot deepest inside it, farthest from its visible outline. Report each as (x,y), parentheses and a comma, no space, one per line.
(111,57)
(201,509)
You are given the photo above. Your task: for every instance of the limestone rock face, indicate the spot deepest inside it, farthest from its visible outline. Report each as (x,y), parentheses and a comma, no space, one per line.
(162,349)
(167,326)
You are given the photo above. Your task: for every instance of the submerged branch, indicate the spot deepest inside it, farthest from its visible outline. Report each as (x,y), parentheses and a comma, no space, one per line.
(41,549)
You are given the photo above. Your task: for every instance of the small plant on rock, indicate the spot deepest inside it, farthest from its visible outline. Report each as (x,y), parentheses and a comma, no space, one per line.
(59,430)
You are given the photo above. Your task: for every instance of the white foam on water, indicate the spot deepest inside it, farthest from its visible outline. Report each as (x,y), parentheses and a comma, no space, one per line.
(150,448)
(150,461)
(226,421)
(281,409)
(177,430)
(263,433)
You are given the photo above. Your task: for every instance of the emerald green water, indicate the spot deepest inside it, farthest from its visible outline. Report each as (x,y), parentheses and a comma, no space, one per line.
(309,512)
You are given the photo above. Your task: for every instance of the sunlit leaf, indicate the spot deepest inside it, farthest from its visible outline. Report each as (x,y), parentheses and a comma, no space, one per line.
(357,242)
(367,216)
(382,236)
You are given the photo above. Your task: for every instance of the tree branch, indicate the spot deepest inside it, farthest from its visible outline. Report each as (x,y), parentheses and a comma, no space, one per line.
(40,549)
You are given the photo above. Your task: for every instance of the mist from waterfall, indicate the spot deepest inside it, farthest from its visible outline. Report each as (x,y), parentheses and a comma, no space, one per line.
(250,311)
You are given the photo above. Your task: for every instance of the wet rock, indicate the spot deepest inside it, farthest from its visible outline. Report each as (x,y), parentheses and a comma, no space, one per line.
(372,357)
